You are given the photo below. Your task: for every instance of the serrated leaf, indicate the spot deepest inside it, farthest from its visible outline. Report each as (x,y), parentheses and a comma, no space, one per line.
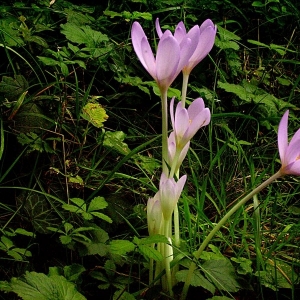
(115,140)
(244,265)
(73,272)
(222,274)
(95,114)
(97,203)
(121,247)
(197,280)
(101,216)
(65,239)
(153,239)
(94,248)
(121,295)
(83,35)
(150,252)
(13,87)
(39,286)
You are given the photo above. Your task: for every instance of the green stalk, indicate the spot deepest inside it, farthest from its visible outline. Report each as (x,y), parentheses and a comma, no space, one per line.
(184,88)
(219,225)
(164,109)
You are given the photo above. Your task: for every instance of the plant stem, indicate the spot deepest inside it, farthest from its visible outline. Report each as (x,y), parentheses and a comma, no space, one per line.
(184,88)
(219,225)
(164,108)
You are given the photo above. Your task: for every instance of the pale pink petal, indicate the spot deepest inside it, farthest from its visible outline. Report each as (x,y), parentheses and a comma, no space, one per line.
(187,48)
(283,135)
(195,108)
(172,112)
(182,122)
(158,29)
(167,59)
(202,119)
(293,168)
(179,186)
(180,32)
(137,34)
(148,59)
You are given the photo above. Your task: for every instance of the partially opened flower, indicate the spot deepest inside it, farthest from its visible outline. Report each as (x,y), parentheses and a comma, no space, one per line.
(154,214)
(205,35)
(171,55)
(172,152)
(170,191)
(186,122)
(289,151)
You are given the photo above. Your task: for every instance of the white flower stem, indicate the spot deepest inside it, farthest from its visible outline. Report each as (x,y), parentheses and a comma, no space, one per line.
(198,253)
(164,108)
(184,88)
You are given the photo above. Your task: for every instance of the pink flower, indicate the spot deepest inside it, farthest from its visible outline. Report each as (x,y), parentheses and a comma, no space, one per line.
(154,214)
(171,55)
(186,122)
(172,149)
(289,151)
(205,35)
(170,191)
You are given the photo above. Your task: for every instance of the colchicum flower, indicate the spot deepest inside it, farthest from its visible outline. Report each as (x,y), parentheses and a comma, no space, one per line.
(170,191)
(154,214)
(289,151)
(186,122)
(172,149)
(172,55)
(205,34)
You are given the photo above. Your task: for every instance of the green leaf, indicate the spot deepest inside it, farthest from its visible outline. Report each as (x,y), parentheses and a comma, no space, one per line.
(41,287)
(244,265)
(121,247)
(83,35)
(196,280)
(153,239)
(102,216)
(24,232)
(65,239)
(115,140)
(150,252)
(73,272)
(95,114)
(48,61)
(13,87)
(121,295)
(97,203)
(222,274)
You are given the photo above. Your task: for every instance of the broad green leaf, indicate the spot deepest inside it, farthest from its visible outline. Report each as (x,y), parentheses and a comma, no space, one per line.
(121,247)
(79,202)
(9,31)
(41,287)
(121,295)
(97,203)
(65,239)
(95,114)
(150,252)
(93,249)
(101,216)
(110,268)
(24,232)
(244,265)
(197,280)
(115,140)
(48,61)
(220,298)
(222,274)
(77,18)
(13,87)
(37,39)
(83,35)
(73,272)
(8,243)
(157,238)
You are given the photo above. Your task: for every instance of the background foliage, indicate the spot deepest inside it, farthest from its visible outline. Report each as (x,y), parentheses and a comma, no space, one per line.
(80,149)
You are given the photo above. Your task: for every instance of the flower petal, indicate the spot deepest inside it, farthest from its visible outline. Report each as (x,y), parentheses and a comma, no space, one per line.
(180,32)
(182,122)
(158,29)
(167,59)
(195,108)
(148,60)
(283,136)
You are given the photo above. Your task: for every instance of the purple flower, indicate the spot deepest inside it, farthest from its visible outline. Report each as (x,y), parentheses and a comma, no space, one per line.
(154,214)
(186,122)
(289,151)
(171,55)
(170,191)
(172,149)
(205,35)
